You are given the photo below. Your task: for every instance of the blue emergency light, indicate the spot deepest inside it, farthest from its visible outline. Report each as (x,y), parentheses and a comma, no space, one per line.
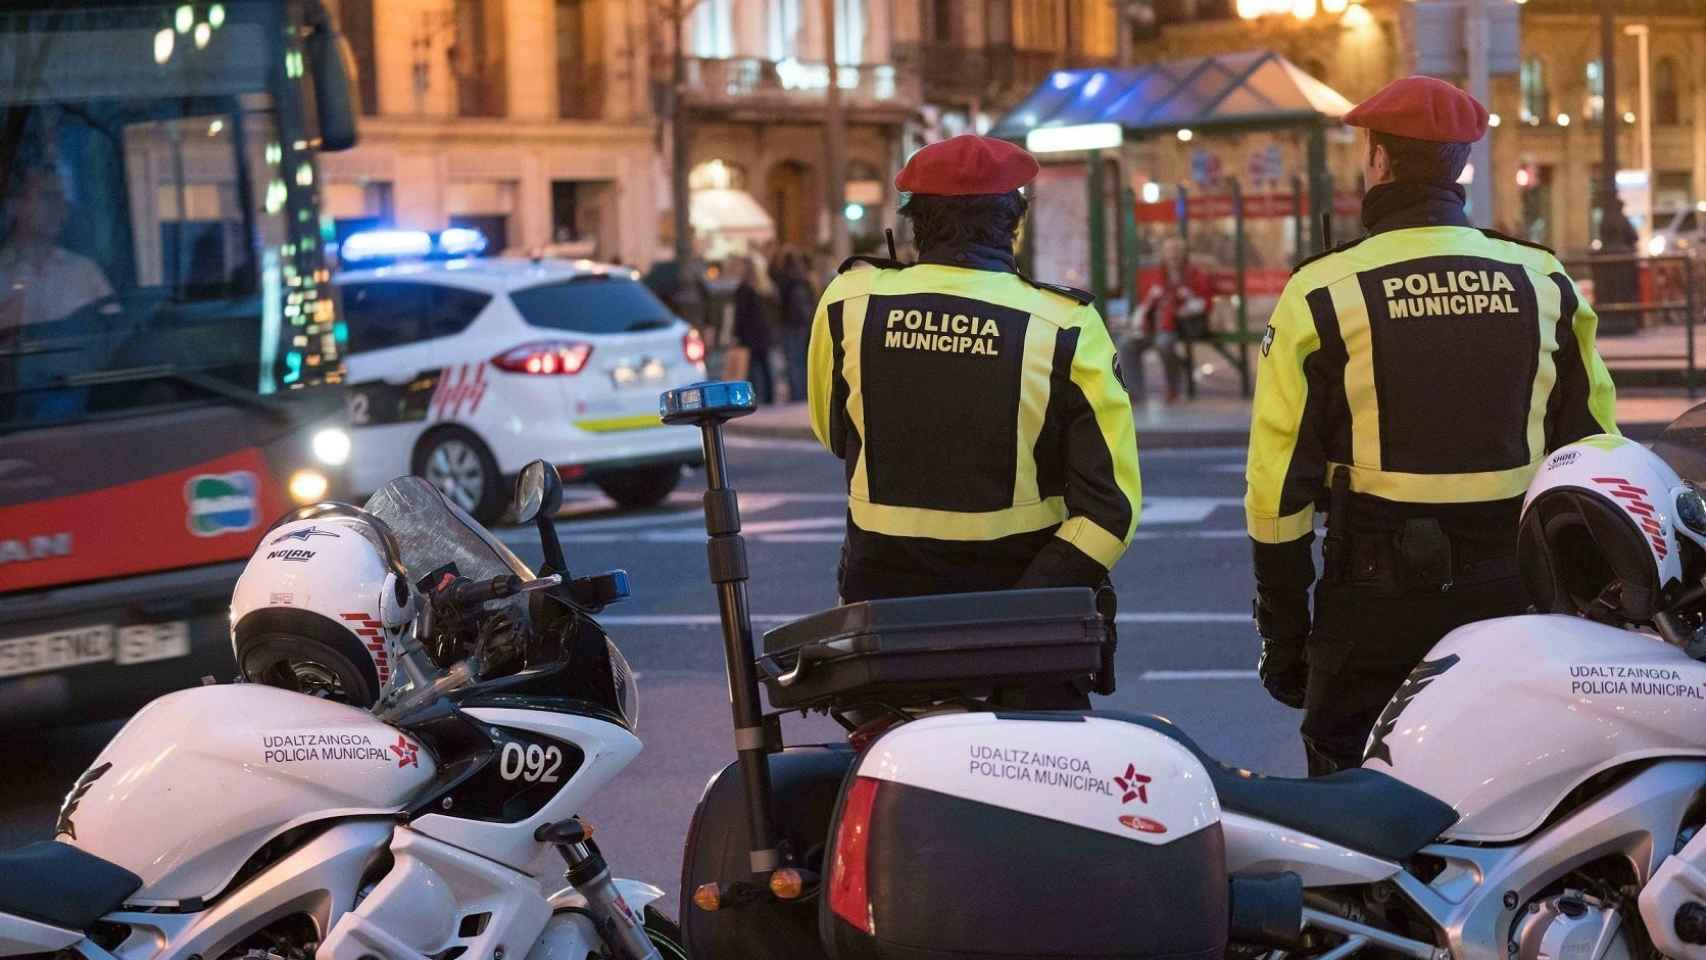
(372,247)
(707,401)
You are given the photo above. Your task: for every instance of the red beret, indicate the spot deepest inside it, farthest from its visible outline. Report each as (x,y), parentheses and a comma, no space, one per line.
(967,164)
(1422,108)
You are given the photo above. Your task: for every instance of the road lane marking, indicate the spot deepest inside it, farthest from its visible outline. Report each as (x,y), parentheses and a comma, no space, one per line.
(1198,675)
(710,619)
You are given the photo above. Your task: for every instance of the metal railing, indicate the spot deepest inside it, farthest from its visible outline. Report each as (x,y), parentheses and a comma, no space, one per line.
(1633,292)
(749,81)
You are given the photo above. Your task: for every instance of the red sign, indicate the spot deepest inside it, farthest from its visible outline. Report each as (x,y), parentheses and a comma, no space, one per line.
(1257,206)
(208,513)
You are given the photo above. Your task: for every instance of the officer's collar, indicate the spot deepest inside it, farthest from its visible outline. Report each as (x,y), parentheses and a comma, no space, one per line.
(1397,206)
(972,256)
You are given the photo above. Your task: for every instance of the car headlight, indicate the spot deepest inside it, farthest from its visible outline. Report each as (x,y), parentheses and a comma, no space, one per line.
(331,447)
(308,486)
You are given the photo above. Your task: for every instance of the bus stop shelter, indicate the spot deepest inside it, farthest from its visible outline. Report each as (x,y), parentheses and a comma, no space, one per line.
(1076,115)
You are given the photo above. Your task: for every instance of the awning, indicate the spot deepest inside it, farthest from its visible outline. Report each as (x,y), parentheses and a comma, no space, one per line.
(732,213)
(1253,89)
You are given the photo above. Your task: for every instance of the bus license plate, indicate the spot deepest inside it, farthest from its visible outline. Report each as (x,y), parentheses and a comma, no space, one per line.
(56,650)
(141,643)
(147,642)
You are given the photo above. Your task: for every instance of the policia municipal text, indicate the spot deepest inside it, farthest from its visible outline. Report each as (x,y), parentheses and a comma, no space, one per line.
(1411,382)
(987,438)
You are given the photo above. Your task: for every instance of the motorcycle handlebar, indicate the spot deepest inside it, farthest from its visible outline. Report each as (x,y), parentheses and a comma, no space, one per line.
(475,593)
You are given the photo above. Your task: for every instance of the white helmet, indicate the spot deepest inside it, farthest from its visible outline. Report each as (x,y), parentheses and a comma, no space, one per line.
(321,604)
(1605,528)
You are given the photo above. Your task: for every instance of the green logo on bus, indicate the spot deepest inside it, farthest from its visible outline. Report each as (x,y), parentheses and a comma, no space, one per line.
(222,502)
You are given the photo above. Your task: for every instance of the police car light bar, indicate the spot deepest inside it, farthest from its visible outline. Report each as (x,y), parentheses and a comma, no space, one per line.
(392,245)
(1083,136)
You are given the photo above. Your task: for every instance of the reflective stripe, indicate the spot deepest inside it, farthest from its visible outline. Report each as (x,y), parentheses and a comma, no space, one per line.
(642,421)
(1281,529)
(1550,301)
(852,336)
(1096,543)
(1442,487)
(1034,385)
(1360,393)
(952,525)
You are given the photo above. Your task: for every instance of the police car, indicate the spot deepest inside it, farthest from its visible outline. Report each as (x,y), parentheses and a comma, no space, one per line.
(463,369)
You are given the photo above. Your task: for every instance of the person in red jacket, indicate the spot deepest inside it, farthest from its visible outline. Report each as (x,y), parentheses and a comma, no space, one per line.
(1178,300)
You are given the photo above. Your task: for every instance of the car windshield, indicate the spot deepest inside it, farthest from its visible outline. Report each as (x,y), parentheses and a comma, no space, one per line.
(1683,446)
(431,532)
(593,303)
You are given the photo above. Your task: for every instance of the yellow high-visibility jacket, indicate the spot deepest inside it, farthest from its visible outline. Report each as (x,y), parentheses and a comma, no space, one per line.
(1439,364)
(987,438)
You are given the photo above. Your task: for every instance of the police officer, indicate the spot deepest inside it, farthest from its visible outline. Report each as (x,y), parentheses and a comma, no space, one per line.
(988,440)
(1411,381)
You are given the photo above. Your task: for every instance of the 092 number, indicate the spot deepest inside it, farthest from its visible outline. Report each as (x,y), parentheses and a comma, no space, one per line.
(532,763)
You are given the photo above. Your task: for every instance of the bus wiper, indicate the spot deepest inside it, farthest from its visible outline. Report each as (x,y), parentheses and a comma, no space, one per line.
(201,381)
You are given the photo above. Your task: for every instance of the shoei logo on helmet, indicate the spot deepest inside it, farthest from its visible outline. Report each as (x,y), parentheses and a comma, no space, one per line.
(1635,501)
(221,502)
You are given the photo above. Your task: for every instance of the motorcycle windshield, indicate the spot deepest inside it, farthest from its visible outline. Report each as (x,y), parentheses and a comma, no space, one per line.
(1682,445)
(431,532)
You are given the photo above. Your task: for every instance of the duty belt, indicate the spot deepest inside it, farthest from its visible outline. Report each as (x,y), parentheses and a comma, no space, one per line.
(1398,563)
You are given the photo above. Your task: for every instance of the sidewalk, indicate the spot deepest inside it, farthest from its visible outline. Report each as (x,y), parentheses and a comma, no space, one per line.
(1653,357)
(1219,417)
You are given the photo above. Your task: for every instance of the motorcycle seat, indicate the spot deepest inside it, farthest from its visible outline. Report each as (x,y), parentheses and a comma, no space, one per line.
(55,883)
(1365,810)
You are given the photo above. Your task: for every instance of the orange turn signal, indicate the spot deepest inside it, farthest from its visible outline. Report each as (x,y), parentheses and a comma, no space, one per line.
(787,884)
(708,897)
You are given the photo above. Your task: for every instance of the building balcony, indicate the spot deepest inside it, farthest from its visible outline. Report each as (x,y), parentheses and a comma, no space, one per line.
(783,88)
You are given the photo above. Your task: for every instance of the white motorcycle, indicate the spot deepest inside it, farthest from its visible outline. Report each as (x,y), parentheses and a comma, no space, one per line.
(245,821)
(1535,791)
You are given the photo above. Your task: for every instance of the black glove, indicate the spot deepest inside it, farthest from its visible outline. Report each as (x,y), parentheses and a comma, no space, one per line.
(1284,669)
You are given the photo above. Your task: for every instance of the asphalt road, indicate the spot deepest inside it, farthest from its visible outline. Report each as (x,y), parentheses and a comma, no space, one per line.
(1187,649)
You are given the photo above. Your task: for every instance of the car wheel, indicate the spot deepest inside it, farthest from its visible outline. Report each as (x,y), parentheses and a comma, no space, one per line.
(459,465)
(644,487)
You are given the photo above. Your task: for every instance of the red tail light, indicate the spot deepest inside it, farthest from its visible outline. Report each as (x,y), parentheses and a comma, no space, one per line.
(693,347)
(545,357)
(847,876)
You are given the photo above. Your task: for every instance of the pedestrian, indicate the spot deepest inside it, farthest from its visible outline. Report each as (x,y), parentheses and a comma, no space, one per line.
(987,440)
(752,328)
(1174,307)
(796,294)
(1412,380)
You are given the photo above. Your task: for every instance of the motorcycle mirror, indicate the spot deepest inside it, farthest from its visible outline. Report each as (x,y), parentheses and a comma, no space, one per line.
(537,491)
(538,497)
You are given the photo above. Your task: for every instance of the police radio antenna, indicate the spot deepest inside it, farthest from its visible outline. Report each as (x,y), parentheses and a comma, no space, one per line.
(889,233)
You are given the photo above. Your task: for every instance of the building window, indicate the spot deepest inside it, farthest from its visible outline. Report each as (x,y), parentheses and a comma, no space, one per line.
(1593,105)
(712,32)
(356,21)
(477,58)
(1535,183)
(1536,101)
(580,59)
(850,31)
(785,29)
(1667,107)
(942,21)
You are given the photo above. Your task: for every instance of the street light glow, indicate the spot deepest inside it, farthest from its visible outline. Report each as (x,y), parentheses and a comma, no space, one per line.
(1334,6)
(1303,9)
(1083,136)
(1185,135)
(1493,120)
(1563,119)
(163,42)
(1152,193)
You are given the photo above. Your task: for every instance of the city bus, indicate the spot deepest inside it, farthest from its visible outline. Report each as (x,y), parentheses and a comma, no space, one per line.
(170,346)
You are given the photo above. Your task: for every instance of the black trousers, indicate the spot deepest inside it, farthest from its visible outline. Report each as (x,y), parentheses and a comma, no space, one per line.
(1364,643)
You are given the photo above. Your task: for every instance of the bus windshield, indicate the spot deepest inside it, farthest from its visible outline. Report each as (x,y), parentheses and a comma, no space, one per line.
(158,213)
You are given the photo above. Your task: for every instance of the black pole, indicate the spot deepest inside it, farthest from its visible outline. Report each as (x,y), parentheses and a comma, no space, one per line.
(1243,300)
(726,551)
(1614,282)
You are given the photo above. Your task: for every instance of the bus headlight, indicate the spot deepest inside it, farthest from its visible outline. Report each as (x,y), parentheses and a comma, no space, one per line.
(308,486)
(331,447)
